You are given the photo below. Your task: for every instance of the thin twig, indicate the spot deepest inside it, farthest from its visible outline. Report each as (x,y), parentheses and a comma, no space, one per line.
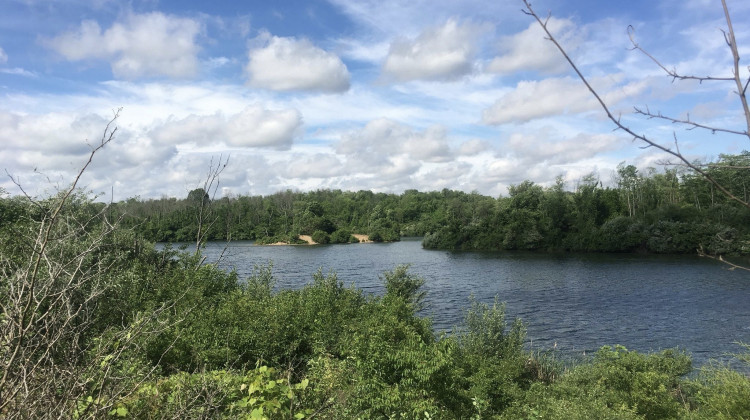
(641,137)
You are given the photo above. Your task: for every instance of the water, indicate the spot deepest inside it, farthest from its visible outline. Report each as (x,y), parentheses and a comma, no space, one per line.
(575,303)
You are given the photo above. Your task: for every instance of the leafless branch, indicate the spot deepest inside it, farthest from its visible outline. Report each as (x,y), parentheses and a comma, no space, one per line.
(48,305)
(636,136)
(732,43)
(671,72)
(732,266)
(649,114)
(210,187)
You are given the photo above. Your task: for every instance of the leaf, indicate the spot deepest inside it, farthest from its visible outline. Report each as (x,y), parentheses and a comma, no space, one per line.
(257,413)
(121,411)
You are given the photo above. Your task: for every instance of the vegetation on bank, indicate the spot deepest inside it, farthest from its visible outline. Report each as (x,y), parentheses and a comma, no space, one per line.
(659,212)
(106,326)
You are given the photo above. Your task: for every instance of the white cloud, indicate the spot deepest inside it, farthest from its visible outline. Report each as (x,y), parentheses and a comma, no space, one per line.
(473,147)
(439,53)
(534,99)
(318,165)
(542,148)
(18,72)
(254,126)
(288,64)
(152,44)
(451,175)
(556,96)
(3,56)
(530,50)
(360,50)
(383,137)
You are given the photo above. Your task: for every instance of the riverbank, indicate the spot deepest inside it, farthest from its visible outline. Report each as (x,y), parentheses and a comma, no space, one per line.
(308,240)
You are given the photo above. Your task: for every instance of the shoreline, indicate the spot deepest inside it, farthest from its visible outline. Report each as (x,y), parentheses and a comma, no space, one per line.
(362,238)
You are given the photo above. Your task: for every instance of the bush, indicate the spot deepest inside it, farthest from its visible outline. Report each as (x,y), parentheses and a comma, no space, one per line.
(320,237)
(616,384)
(343,236)
(492,357)
(384,235)
(259,393)
(722,392)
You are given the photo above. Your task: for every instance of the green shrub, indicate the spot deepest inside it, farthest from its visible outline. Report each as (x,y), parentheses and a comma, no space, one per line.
(492,357)
(320,237)
(722,392)
(259,393)
(343,236)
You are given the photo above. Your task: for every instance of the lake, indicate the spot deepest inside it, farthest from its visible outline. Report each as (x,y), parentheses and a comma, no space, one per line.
(575,303)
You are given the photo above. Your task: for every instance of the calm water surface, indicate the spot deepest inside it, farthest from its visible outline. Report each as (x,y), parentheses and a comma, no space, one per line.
(576,302)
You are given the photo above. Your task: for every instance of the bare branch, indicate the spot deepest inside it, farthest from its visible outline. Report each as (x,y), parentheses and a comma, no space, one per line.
(647,113)
(640,137)
(736,56)
(210,188)
(671,72)
(732,266)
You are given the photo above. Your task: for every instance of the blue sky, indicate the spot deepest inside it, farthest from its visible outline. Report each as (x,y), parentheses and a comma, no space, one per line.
(384,95)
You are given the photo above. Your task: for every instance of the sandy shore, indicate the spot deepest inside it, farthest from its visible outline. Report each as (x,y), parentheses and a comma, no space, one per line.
(365,239)
(362,238)
(308,239)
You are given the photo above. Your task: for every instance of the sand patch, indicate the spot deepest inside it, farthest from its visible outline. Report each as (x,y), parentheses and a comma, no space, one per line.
(308,239)
(362,238)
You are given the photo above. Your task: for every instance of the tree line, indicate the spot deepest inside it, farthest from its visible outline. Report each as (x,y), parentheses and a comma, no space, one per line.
(667,211)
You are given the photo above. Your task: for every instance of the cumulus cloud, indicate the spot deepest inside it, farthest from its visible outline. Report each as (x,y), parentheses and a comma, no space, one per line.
(288,64)
(167,158)
(439,53)
(383,137)
(152,44)
(556,96)
(50,141)
(450,175)
(529,50)
(318,165)
(387,155)
(534,99)
(543,148)
(473,147)
(254,126)
(257,127)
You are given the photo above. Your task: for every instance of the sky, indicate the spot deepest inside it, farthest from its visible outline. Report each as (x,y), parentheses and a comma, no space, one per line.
(382,95)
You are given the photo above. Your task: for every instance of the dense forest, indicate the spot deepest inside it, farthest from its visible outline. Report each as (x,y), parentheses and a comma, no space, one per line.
(97,323)
(659,212)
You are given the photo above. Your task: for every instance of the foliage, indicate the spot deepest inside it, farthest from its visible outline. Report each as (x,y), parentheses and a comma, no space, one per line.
(321,237)
(645,211)
(260,393)
(721,392)
(174,337)
(617,383)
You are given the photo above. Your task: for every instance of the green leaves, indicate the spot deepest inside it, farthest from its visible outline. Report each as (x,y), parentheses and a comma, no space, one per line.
(268,396)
